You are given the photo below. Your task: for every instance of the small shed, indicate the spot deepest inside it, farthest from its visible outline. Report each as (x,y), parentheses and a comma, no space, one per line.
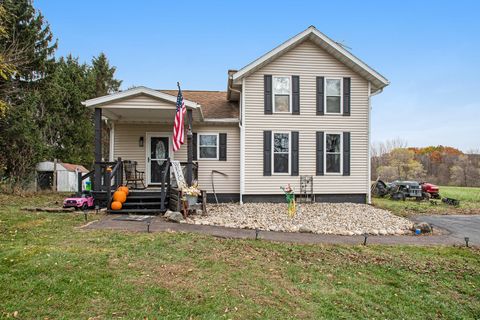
(66,173)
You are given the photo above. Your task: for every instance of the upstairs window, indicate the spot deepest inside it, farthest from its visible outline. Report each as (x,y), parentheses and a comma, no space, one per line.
(333,153)
(333,96)
(281,94)
(208,146)
(281,152)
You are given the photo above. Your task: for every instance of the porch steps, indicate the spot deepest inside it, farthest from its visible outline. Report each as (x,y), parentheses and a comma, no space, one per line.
(142,202)
(146,197)
(136,211)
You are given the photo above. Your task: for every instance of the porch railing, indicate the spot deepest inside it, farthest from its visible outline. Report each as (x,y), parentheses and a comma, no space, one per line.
(115,176)
(81,178)
(165,188)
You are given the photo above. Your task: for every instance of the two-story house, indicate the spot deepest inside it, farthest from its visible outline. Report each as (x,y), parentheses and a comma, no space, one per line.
(303,108)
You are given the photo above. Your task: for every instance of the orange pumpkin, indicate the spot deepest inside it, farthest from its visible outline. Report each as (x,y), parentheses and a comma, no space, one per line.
(119,196)
(124,189)
(116,205)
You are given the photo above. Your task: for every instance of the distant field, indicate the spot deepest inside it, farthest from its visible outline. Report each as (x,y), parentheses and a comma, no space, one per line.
(469,203)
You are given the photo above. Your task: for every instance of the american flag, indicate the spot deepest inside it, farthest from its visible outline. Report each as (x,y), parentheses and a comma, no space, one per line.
(178,131)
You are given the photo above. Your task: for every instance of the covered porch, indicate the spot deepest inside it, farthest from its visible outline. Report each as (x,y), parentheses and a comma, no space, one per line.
(141,128)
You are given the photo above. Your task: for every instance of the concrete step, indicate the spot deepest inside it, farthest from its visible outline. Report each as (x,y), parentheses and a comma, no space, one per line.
(137,211)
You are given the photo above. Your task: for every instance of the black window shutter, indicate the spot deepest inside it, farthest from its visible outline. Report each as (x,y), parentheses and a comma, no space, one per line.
(295,95)
(194,144)
(267,89)
(319,152)
(320,96)
(267,153)
(223,147)
(346,153)
(346,96)
(295,153)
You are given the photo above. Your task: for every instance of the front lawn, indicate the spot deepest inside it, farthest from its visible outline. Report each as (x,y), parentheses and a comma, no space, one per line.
(469,203)
(50,269)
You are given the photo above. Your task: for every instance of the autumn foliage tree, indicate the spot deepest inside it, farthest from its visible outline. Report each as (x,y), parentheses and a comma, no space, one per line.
(442,165)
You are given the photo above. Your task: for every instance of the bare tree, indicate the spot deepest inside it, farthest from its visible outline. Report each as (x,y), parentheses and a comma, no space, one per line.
(464,172)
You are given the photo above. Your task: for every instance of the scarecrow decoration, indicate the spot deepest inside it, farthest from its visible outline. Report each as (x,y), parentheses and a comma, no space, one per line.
(290,197)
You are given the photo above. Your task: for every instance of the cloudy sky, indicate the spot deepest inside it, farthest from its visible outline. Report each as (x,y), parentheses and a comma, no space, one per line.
(429,50)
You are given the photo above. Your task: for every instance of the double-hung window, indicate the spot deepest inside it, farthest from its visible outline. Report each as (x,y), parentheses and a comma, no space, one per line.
(281,152)
(333,96)
(333,153)
(208,146)
(281,94)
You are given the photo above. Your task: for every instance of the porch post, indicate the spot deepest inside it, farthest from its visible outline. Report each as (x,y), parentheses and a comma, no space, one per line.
(189,148)
(98,150)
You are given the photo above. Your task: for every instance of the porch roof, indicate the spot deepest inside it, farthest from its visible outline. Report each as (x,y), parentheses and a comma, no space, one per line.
(160,105)
(142,104)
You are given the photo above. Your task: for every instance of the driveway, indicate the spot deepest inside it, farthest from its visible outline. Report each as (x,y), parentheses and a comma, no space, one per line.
(458,226)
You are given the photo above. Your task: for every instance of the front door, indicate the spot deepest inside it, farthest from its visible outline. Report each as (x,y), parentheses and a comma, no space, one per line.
(158,150)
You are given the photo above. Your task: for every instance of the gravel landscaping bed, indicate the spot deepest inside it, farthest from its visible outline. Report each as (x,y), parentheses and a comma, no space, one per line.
(325,218)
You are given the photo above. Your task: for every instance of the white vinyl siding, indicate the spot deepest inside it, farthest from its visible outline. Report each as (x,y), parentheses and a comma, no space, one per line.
(308,61)
(126,147)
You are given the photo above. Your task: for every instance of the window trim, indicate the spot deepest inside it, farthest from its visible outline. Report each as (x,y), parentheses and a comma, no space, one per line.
(289,153)
(289,95)
(198,145)
(325,95)
(325,172)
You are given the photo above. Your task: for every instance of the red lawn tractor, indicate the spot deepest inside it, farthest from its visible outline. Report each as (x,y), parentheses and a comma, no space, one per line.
(430,190)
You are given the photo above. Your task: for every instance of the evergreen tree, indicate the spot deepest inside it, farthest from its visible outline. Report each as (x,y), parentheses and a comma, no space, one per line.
(27,45)
(44,118)
(30,41)
(66,124)
(104,75)
(105,83)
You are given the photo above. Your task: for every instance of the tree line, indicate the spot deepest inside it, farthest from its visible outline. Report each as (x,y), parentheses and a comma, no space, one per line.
(442,165)
(41,115)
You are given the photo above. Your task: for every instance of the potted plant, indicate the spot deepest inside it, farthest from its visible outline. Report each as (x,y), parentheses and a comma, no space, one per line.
(191,194)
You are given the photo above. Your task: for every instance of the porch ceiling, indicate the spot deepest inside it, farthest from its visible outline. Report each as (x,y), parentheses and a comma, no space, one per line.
(147,114)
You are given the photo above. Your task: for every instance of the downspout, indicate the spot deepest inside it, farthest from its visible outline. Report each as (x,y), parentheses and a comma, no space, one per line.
(370,95)
(242,139)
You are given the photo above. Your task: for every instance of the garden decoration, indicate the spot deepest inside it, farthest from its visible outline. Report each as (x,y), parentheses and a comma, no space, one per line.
(290,197)
(124,189)
(116,205)
(119,196)
(190,197)
(191,193)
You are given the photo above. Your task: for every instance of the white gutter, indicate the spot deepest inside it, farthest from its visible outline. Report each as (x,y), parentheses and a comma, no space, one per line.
(242,139)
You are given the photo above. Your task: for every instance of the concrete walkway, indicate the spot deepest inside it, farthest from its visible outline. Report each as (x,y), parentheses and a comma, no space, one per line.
(158,224)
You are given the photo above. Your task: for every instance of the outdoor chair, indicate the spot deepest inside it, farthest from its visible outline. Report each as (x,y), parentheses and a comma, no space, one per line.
(132,175)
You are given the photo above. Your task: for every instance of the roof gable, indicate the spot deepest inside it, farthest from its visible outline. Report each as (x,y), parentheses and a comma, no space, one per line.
(97,102)
(333,48)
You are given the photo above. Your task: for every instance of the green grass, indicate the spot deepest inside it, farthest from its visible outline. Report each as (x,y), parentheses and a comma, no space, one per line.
(51,269)
(469,203)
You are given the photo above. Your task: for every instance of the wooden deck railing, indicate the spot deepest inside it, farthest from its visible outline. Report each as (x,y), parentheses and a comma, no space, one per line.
(115,176)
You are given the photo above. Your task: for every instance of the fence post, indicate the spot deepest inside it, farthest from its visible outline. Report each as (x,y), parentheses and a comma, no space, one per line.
(79,183)
(120,180)
(108,189)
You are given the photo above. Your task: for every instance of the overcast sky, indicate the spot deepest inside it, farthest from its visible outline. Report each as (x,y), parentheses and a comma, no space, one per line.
(429,50)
